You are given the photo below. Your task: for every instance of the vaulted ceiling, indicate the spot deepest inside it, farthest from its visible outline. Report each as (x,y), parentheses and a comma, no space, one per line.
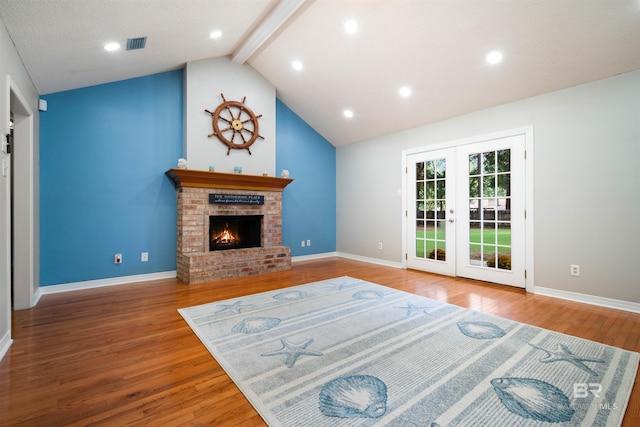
(436,48)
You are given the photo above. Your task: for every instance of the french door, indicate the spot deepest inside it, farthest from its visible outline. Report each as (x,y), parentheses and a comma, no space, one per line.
(466,211)
(431,224)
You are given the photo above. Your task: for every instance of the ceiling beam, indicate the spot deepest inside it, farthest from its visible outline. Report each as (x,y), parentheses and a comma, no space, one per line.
(276,18)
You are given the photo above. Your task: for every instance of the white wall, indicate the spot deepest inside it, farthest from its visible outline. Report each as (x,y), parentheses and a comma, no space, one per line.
(586,184)
(26,184)
(205,80)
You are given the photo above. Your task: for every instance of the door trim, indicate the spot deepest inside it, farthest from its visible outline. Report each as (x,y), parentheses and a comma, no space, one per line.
(25,226)
(527,132)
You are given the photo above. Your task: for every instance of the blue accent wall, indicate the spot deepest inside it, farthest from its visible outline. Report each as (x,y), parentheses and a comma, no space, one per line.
(103,153)
(309,202)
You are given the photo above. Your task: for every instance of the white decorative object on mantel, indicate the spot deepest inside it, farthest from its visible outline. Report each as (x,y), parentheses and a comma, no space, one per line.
(182,163)
(285,173)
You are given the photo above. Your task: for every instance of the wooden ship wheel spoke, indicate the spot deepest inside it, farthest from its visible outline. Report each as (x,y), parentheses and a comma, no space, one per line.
(228,117)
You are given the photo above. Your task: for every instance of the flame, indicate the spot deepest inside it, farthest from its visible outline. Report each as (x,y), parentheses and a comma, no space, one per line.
(225,237)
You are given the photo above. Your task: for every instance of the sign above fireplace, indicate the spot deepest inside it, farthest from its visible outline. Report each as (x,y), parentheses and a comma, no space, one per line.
(236,199)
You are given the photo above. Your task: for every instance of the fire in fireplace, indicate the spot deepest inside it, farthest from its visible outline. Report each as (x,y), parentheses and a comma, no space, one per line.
(235,232)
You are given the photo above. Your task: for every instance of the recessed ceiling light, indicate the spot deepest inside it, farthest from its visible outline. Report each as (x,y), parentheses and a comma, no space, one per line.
(216,34)
(405,91)
(297,65)
(110,47)
(351,26)
(348,113)
(494,57)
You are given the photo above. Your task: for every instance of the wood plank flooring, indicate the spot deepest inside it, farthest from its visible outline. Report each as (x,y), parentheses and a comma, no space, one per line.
(122,355)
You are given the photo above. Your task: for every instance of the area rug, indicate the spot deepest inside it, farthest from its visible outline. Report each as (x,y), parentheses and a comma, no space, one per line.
(346,352)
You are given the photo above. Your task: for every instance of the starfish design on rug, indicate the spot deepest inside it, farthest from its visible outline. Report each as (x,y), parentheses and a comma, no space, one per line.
(236,307)
(293,351)
(562,353)
(342,285)
(414,309)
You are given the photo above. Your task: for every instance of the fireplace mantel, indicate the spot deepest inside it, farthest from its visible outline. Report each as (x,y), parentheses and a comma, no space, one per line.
(235,181)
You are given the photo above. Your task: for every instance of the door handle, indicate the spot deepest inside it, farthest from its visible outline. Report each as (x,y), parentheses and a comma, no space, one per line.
(451,219)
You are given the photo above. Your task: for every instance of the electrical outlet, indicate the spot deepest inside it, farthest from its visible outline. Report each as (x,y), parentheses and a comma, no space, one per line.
(117,258)
(302,244)
(144,257)
(380,245)
(308,242)
(575,270)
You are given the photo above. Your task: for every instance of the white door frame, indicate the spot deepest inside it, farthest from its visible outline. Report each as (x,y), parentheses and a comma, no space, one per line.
(25,224)
(527,132)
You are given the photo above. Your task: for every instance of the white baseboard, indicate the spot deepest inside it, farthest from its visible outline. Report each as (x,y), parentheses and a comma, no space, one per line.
(313,256)
(588,299)
(5,343)
(384,262)
(76,286)
(36,297)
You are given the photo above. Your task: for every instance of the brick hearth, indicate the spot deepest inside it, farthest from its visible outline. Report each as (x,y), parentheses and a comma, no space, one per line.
(195,263)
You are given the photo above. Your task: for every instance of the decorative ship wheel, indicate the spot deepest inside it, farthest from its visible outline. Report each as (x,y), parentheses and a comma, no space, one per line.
(234,119)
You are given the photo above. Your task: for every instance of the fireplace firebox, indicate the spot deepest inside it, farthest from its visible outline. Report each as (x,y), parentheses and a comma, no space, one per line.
(234,232)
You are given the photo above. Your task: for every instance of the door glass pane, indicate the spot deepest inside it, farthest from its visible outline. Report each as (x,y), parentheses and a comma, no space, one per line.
(474,164)
(441,254)
(475,232)
(475,254)
(474,209)
(504,161)
(440,189)
(429,170)
(488,186)
(504,258)
(490,209)
(430,212)
(430,192)
(489,255)
(504,185)
(441,168)
(489,232)
(419,190)
(474,187)
(420,171)
(441,230)
(488,162)
(504,234)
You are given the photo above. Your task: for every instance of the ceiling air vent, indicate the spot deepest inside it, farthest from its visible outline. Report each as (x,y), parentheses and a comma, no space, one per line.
(137,43)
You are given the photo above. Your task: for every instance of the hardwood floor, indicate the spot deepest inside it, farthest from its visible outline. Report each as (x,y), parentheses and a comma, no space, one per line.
(122,355)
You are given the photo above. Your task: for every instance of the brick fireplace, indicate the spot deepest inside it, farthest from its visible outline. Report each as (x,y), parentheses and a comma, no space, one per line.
(202,195)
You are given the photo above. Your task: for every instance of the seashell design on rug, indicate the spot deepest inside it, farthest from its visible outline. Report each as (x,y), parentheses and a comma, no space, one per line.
(481,330)
(357,396)
(253,325)
(535,399)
